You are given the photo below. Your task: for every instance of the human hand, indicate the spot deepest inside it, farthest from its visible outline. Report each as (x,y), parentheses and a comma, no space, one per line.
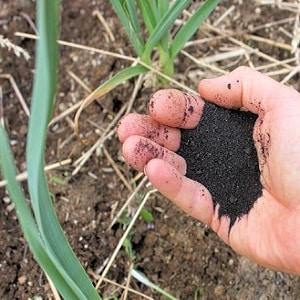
(269,233)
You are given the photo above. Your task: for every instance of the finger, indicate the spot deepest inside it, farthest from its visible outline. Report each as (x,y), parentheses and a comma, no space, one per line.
(246,88)
(138,151)
(176,109)
(146,126)
(192,197)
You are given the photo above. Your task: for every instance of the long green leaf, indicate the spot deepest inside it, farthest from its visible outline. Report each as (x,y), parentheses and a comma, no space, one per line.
(117,79)
(131,10)
(41,109)
(152,12)
(191,26)
(147,14)
(51,266)
(163,6)
(163,27)
(134,36)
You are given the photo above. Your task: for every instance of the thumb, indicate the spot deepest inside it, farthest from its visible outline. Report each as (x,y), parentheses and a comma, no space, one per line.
(248,89)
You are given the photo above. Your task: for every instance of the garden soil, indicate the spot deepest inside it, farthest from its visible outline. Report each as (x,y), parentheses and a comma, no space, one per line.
(220,154)
(174,250)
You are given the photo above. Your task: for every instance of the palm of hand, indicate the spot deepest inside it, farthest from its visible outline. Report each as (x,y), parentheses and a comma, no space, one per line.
(268,234)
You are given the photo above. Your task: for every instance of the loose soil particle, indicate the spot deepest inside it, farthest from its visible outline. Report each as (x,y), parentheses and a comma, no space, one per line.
(220,154)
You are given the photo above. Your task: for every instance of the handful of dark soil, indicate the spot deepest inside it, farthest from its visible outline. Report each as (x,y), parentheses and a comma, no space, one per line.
(220,154)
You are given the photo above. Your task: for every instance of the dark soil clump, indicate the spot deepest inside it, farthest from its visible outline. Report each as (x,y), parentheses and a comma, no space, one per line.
(220,154)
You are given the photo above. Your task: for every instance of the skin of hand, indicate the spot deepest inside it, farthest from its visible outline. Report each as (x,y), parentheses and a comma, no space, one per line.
(270,233)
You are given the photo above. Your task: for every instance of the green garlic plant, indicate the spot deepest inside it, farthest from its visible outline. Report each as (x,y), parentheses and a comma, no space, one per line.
(157,17)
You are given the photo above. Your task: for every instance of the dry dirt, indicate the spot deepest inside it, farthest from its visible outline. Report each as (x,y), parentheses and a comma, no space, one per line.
(174,251)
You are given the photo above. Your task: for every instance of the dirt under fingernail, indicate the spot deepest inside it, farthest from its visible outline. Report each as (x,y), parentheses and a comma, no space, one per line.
(220,154)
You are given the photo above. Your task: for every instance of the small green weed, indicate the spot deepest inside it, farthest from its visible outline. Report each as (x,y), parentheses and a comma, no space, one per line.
(199,293)
(57,180)
(146,215)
